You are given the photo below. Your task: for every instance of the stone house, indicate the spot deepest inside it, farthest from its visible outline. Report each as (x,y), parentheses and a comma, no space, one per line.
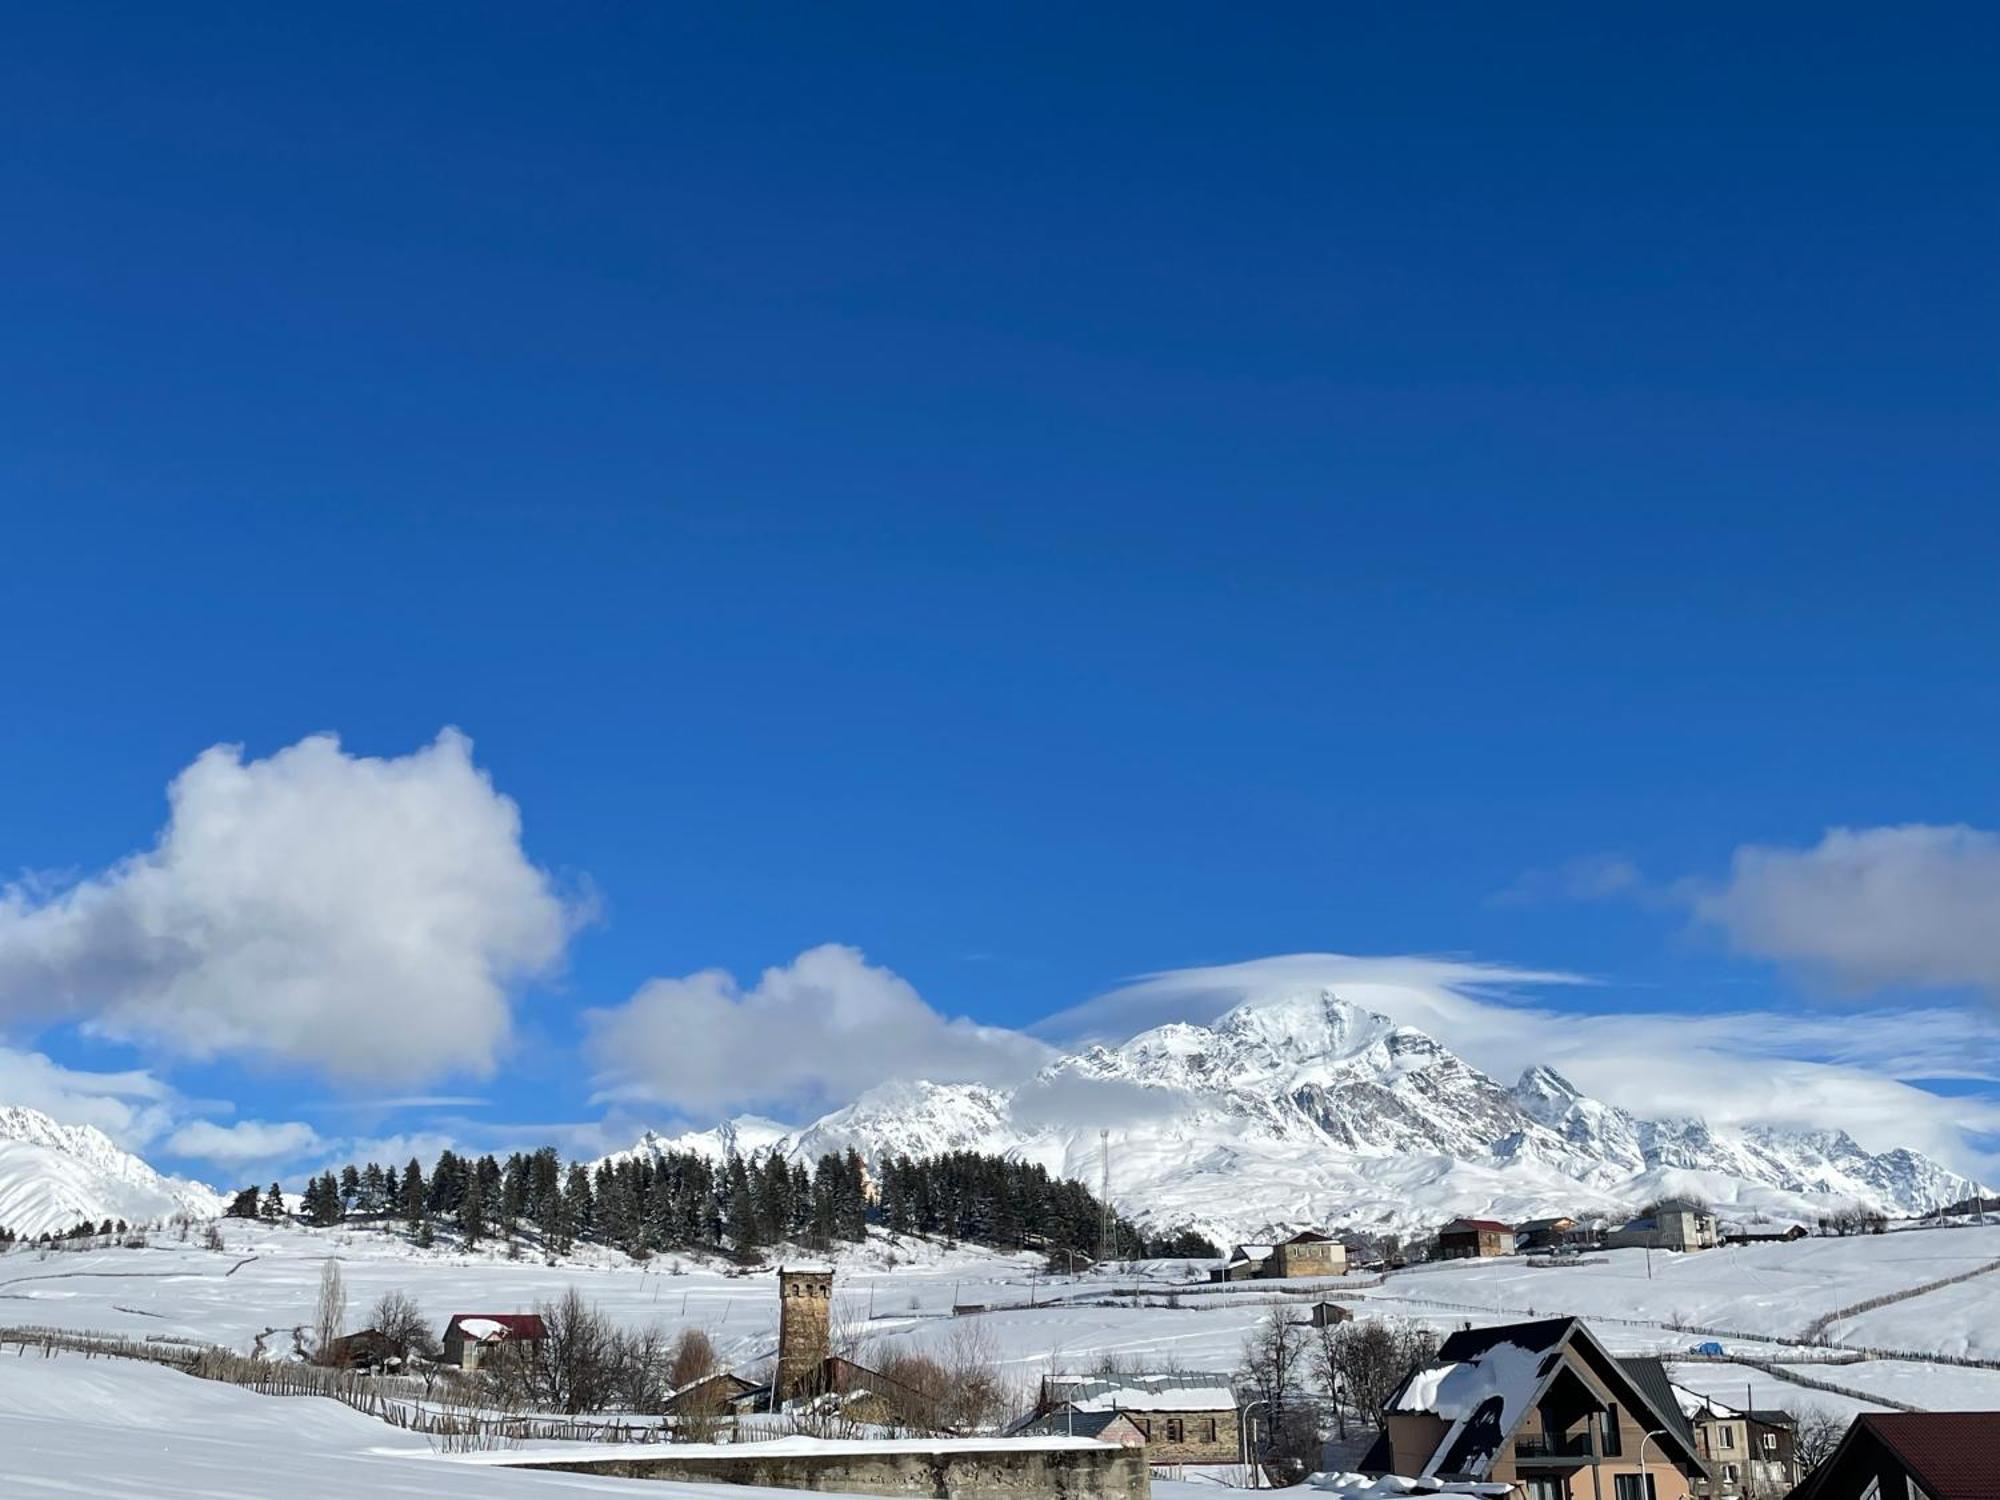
(1895,1455)
(1545,1407)
(470,1338)
(1676,1224)
(1105,1426)
(1474,1239)
(1307,1253)
(1185,1418)
(367,1349)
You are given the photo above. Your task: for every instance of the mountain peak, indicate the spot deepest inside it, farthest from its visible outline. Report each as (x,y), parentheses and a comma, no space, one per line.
(53,1176)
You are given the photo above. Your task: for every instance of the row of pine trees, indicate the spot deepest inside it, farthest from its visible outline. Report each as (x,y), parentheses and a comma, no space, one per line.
(682,1201)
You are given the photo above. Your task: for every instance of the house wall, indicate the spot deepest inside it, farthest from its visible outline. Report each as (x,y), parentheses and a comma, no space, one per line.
(998,1472)
(1413,1438)
(1724,1441)
(1321,1258)
(1670,1481)
(1471,1244)
(1205,1437)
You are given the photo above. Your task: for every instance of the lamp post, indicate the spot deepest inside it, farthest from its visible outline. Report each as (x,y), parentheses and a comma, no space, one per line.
(1645,1484)
(1246,1436)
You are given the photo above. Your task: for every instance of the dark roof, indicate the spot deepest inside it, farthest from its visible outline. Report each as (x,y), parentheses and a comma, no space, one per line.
(1951,1453)
(1771,1417)
(1063,1423)
(1492,1224)
(1469,1343)
(1308,1237)
(1479,1436)
(518,1325)
(1650,1375)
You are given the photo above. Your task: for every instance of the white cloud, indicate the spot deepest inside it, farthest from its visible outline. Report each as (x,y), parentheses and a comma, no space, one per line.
(1868,908)
(1846,1071)
(1588,877)
(366,917)
(815,1031)
(132,1107)
(244,1143)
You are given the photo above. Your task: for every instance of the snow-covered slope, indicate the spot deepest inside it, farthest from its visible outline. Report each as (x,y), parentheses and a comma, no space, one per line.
(1306,1109)
(52,1176)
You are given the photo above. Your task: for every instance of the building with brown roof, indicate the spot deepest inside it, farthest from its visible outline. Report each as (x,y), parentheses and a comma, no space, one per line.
(1473,1239)
(471,1337)
(1928,1455)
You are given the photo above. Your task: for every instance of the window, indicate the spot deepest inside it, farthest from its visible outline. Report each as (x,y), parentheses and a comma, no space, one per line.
(1176,1430)
(1627,1487)
(1730,1473)
(1212,1430)
(1545,1489)
(1609,1440)
(1770,1442)
(1728,1435)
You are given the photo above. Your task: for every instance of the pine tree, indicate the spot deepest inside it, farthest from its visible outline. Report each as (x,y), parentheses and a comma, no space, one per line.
(472,1211)
(740,1211)
(245,1205)
(414,1197)
(350,1186)
(274,1204)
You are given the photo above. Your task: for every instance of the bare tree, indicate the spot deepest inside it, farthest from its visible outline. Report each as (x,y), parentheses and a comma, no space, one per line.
(330,1314)
(1817,1432)
(692,1358)
(1274,1365)
(572,1368)
(1361,1364)
(400,1321)
(639,1367)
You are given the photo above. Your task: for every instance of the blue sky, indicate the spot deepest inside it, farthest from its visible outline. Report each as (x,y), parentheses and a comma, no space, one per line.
(1035,499)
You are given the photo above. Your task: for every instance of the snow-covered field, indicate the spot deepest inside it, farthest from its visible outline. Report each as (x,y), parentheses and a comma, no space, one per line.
(66,1414)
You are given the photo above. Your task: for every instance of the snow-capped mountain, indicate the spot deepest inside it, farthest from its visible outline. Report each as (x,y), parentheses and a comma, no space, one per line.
(52,1176)
(1309,1110)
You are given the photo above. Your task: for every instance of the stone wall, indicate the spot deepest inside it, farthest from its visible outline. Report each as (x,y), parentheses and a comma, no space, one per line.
(998,1471)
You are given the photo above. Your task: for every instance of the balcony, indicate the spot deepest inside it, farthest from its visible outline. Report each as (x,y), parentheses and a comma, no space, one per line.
(1568,1448)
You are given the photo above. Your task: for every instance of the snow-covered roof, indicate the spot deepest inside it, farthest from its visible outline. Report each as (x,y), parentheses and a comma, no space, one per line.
(484,1328)
(1180,1391)
(1392,1487)
(1250,1252)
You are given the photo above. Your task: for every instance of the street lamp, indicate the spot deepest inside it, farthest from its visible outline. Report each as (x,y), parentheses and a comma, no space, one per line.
(1246,1435)
(1645,1484)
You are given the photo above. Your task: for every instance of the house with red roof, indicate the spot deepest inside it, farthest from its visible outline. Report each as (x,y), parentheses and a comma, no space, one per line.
(470,1337)
(1912,1455)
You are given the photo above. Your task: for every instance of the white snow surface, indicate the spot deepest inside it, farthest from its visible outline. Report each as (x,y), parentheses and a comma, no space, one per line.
(52,1176)
(1308,1110)
(122,1430)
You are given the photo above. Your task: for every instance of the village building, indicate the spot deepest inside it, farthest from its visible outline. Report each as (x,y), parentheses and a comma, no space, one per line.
(1185,1418)
(725,1393)
(1894,1455)
(1329,1315)
(470,1338)
(1545,1407)
(1750,1454)
(1245,1263)
(367,1349)
(1105,1426)
(1307,1253)
(1540,1236)
(1764,1234)
(1676,1224)
(1474,1239)
(805,1326)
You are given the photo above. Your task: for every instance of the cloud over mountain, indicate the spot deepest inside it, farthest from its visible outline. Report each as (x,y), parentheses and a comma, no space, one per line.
(824,1026)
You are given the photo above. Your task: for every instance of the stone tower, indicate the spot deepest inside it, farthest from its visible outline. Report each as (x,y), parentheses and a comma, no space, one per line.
(805,1328)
